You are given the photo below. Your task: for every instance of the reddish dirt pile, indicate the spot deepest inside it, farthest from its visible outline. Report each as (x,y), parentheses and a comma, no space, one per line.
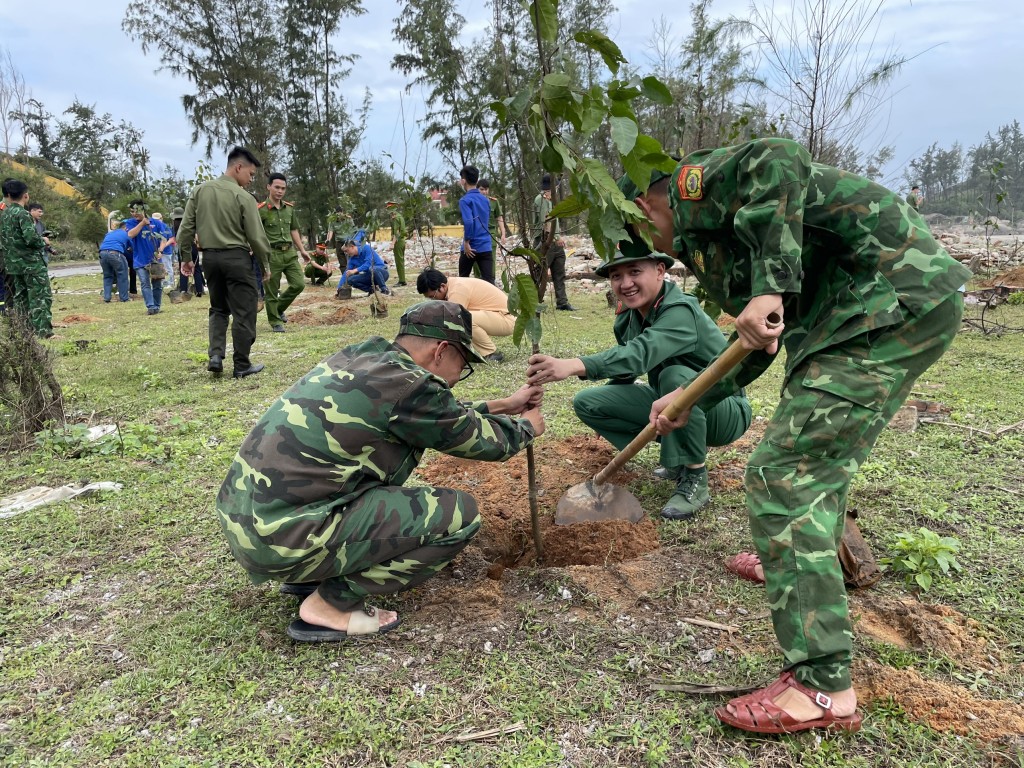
(1015,278)
(943,707)
(502,493)
(73,319)
(907,623)
(307,316)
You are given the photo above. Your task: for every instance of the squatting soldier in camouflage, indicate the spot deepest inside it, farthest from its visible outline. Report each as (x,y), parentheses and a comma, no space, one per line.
(24,261)
(315,493)
(869,301)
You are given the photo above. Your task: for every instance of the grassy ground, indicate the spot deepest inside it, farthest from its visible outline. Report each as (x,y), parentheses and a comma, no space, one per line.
(130,638)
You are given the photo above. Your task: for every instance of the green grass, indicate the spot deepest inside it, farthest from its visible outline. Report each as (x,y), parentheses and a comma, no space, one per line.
(130,638)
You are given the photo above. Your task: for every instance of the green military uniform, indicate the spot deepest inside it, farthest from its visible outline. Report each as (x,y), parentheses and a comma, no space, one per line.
(6,293)
(315,492)
(870,302)
(398,232)
(317,276)
(556,253)
(25,266)
(340,226)
(279,223)
(914,200)
(672,345)
(227,229)
(492,225)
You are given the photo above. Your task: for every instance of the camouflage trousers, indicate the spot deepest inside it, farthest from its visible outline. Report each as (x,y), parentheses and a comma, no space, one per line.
(618,413)
(284,263)
(833,408)
(388,540)
(32,297)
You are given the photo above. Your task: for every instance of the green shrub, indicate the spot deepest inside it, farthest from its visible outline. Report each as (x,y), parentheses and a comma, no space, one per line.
(923,556)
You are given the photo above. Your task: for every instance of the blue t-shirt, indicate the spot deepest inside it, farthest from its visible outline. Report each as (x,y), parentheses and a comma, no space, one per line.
(476,215)
(364,258)
(116,240)
(168,233)
(144,244)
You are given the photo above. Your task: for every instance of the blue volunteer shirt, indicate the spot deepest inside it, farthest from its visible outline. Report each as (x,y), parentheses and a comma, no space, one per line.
(144,244)
(364,258)
(116,240)
(476,215)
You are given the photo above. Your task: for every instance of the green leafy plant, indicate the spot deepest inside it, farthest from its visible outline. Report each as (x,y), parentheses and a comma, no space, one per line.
(923,556)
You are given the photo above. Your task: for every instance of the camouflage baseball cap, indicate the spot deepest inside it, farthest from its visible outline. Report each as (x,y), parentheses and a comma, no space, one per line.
(633,246)
(622,258)
(443,320)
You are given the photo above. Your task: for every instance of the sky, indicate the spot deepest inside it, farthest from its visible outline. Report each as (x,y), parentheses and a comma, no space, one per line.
(963,81)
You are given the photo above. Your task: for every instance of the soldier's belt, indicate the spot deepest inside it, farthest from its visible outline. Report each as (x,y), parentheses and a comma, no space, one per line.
(282,246)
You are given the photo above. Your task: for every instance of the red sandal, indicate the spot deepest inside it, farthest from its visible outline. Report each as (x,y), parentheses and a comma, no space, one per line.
(757,713)
(744,565)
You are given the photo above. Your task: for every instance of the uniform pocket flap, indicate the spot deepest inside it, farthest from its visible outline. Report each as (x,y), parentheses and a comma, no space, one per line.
(845,378)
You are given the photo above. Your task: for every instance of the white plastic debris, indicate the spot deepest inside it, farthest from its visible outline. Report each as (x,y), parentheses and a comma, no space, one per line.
(41,495)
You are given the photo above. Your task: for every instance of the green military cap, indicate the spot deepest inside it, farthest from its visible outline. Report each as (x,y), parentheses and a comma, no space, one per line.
(621,257)
(634,246)
(443,320)
(178,213)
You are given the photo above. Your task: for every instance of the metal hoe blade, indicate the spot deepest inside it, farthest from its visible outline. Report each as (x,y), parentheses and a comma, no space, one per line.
(592,503)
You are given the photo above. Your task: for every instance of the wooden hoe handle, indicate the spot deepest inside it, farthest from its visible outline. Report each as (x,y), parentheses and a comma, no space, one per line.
(710,376)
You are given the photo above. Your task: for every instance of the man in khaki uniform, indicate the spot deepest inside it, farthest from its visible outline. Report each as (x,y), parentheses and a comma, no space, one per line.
(282,228)
(487,303)
(228,227)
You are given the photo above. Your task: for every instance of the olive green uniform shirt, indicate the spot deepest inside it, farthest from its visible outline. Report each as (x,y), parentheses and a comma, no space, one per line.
(224,215)
(279,223)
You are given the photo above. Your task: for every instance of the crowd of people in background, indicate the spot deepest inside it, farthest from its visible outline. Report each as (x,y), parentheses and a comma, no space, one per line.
(141,255)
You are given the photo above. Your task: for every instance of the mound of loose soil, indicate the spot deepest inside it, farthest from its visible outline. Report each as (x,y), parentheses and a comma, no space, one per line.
(943,707)
(72,319)
(907,623)
(502,494)
(337,316)
(1014,278)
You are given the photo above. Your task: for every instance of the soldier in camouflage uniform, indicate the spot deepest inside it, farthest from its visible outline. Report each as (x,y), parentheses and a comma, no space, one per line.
(869,301)
(24,261)
(6,292)
(315,493)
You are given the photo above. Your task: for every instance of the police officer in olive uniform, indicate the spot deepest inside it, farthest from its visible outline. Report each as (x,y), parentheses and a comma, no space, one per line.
(282,228)
(225,219)
(398,237)
(339,226)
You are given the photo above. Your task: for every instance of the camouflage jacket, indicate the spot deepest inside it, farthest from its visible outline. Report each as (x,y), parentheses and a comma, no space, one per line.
(22,246)
(359,420)
(676,331)
(848,255)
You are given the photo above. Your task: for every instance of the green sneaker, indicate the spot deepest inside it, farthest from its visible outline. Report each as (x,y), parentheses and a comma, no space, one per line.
(691,494)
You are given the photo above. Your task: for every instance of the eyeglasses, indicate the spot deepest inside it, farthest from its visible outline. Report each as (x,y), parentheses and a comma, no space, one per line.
(467,368)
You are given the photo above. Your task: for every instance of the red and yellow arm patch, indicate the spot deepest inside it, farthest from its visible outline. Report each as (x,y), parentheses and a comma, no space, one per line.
(690,182)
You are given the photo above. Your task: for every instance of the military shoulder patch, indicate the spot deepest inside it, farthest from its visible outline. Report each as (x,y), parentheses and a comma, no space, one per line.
(698,259)
(690,182)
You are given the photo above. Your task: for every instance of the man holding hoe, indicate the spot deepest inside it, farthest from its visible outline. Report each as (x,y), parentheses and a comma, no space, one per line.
(869,301)
(664,334)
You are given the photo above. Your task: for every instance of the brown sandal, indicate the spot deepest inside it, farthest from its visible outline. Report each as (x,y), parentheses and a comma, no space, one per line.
(745,565)
(757,713)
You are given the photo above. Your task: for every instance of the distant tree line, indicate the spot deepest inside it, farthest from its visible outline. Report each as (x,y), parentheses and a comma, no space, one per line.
(982,180)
